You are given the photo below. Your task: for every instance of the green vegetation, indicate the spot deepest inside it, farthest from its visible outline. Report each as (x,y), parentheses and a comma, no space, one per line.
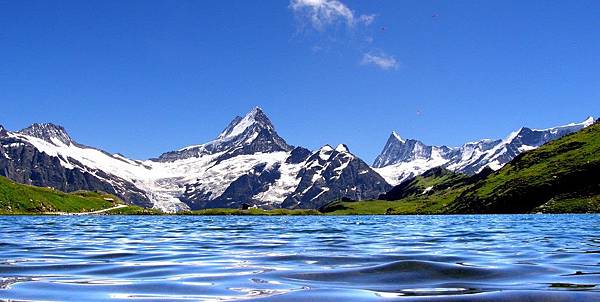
(23,199)
(435,201)
(565,204)
(564,173)
(133,210)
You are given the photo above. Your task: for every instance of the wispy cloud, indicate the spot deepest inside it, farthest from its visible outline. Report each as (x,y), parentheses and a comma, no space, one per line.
(379,59)
(321,13)
(325,16)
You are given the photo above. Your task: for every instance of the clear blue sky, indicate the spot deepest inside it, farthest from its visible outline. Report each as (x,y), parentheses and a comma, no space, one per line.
(145,77)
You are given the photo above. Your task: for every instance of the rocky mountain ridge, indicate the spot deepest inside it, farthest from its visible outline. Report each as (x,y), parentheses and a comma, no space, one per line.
(402,159)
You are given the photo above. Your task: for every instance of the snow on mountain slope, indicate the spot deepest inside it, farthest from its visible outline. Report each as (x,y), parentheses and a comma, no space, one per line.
(330,174)
(402,159)
(247,163)
(250,134)
(120,172)
(399,172)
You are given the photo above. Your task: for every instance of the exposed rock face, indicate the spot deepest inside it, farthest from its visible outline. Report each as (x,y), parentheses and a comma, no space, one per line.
(298,155)
(247,164)
(397,150)
(331,174)
(240,191)
(251,134)
(48,132)
(23,163)
(403,159)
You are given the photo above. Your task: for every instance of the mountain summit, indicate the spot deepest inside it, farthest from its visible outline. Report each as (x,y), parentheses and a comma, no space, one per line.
(48,132)
(255,118)
(244,135)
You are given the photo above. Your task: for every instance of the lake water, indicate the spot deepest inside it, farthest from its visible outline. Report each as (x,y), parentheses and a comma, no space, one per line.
(363,258)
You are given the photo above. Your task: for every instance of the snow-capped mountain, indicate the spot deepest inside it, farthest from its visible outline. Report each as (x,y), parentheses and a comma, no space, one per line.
(331,174)
(250,163)
(247,163)
(403,159)
(45,155)
(397,150)
(251,134)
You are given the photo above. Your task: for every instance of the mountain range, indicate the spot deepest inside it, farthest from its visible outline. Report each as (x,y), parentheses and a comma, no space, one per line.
(403,159)
(248,163)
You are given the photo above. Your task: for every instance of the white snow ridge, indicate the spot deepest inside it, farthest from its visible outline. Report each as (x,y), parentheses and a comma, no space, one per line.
(402,159)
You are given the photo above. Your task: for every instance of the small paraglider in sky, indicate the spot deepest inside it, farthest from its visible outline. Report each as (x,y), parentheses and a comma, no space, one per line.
(435,15)
(418,112)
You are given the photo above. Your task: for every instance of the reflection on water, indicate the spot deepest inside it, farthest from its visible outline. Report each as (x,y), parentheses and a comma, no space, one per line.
(363,258)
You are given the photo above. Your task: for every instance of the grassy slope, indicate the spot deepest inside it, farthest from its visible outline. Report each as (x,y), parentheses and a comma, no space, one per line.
(416,203)
(564,173)
(562,176)
(23,199)
(134,210)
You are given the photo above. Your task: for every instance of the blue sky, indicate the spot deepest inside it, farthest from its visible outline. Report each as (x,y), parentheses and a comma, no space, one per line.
(145,77)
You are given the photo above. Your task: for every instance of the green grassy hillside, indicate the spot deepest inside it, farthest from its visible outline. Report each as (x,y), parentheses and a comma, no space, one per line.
(562,174)
(430,193)
(23,199)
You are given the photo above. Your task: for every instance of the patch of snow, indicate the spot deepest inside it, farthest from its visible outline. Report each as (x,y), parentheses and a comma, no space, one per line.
(524,148)
(397,173)
(341,148)
(282,187)
(323,190)
(397,136)
(427,190)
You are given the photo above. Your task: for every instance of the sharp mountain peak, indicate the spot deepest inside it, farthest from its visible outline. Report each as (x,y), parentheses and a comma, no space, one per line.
(48,132)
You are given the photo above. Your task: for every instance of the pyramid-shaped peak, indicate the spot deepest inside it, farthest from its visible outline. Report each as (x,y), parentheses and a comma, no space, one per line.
(49,132)
(255,117)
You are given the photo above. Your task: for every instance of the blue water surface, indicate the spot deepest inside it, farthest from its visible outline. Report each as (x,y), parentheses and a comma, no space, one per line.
(303,258)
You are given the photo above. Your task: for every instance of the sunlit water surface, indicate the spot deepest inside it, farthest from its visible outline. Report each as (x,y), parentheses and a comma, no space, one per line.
(362,258)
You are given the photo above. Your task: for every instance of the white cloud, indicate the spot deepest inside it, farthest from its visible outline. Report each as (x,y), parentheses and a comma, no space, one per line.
(321,13)
(379,59)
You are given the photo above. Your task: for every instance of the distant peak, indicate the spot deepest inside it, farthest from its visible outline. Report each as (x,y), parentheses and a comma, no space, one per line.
(255,117)
(48,132)
(342,148)
(3,131)
(589,121)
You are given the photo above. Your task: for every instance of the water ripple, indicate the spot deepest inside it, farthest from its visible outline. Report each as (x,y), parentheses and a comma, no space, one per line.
(362,258)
